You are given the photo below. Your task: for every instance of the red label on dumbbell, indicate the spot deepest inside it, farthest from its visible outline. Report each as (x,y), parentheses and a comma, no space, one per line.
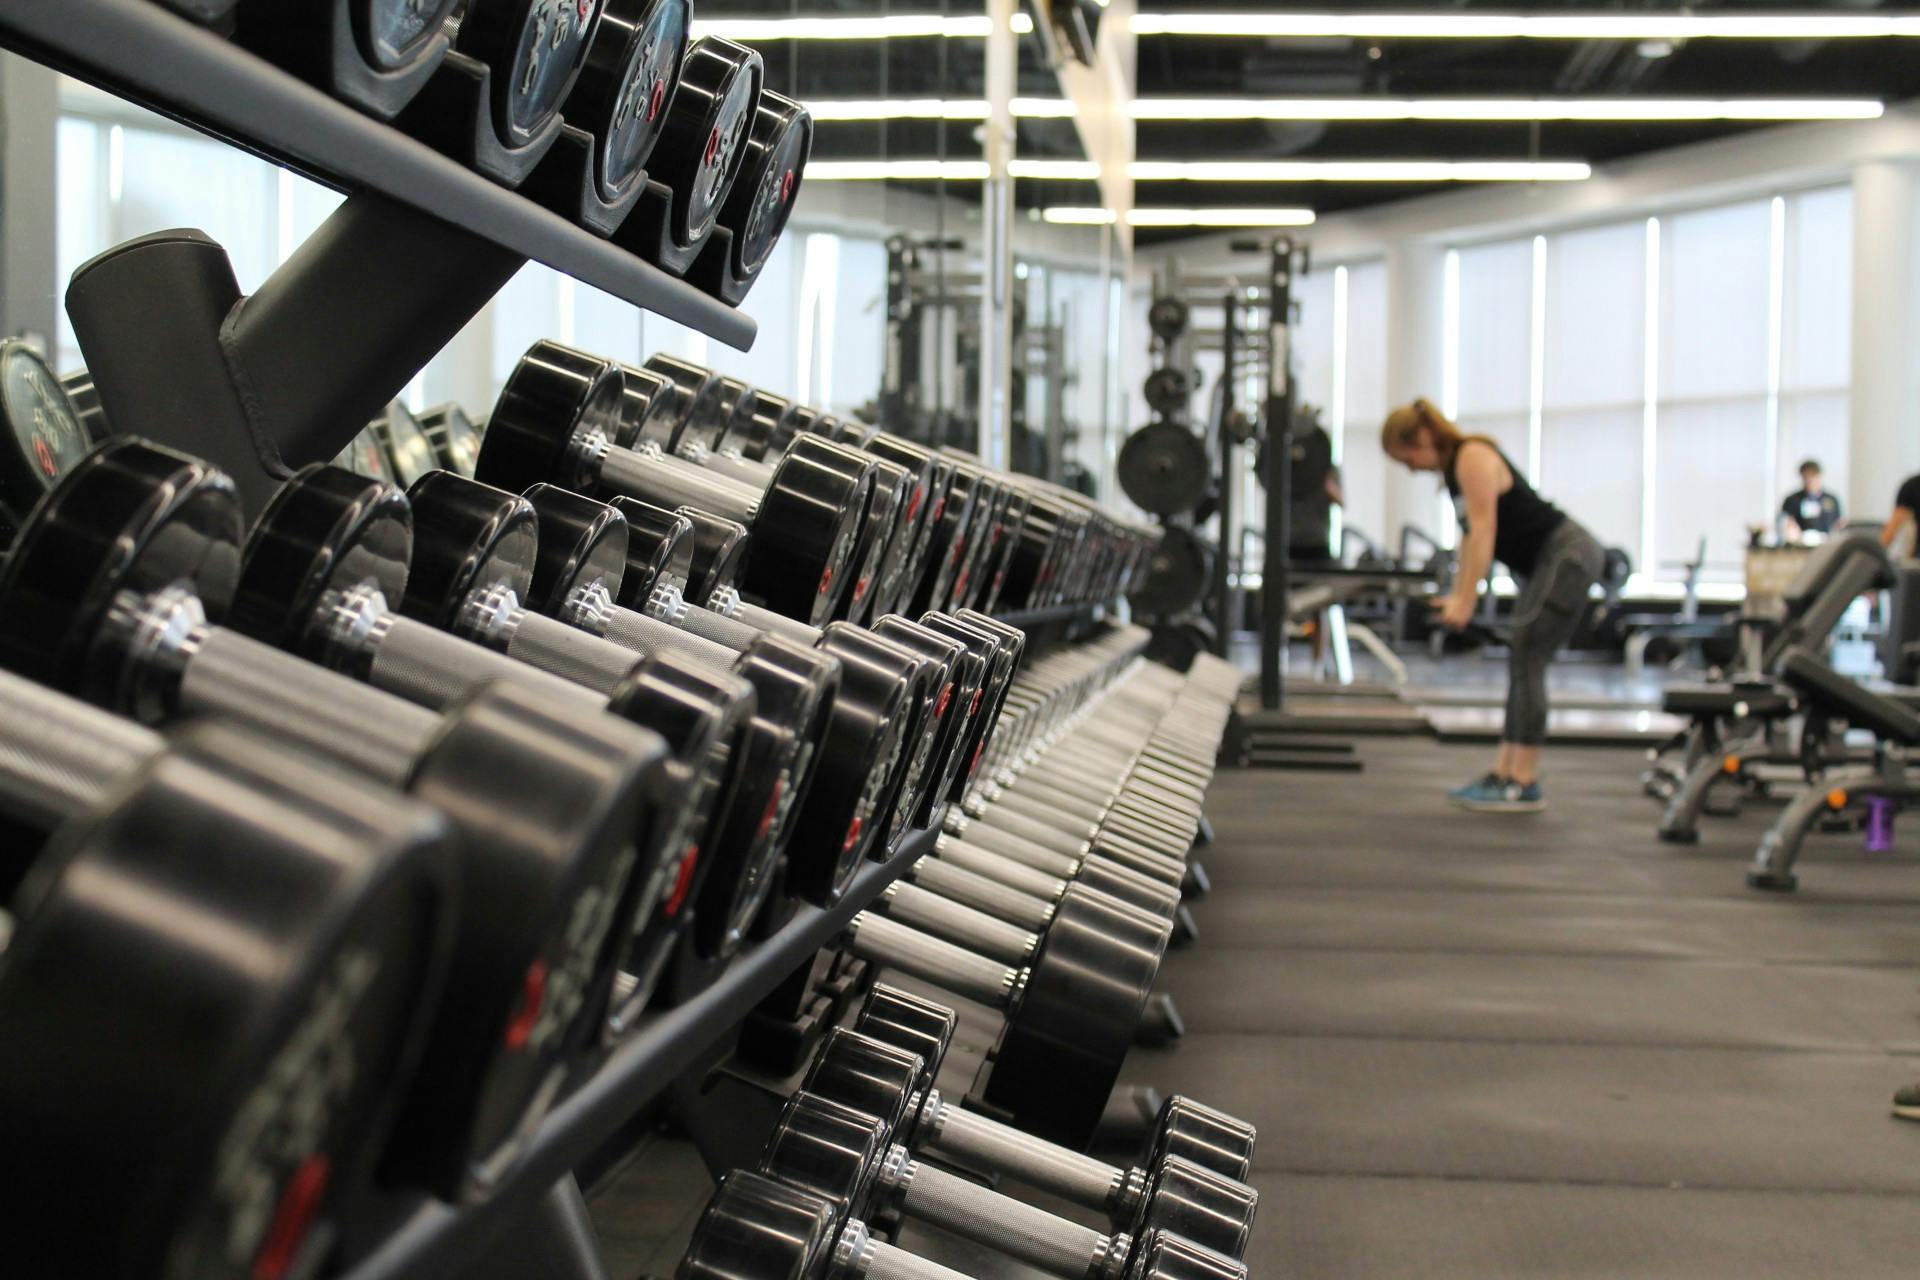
(853,836)
(533,992)
(773,807)
(683,882)
(946,697)
(292,1216)
(913,503)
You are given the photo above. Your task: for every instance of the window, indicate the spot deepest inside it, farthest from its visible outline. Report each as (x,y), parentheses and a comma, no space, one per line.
(1816,348)
(1493,380)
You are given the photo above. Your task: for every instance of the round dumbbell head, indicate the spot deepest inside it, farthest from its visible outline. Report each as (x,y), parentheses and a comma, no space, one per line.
(756,210)
(406,442)
(828,1149)
(995,679)
(649,409)
(273,996)
(467,537)
(536,49)
(794,689)
(717,552)
(806,529)
(1086,989)
(44,438)
(766,428)
(659,549)
(910,1024)
(626,84)
(703,140)
(759,1228)
(901,785)
(325,532)
(582,543)
(691,396)
(1177,575)
(1167,391)
(1167,318)
(867,1075)
(955,702)
(129,519)
(1196,1132)
(931,734)
(1162,1255)
(881,525)
(1164,468)
(1199,1205)
(456,441)
(392,33)
(553,393)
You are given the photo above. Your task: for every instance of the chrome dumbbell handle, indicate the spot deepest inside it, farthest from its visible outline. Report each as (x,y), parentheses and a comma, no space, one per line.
(59,756)
(1031,1234)
(971,1138)
(983,893)
(965,973)
(433,668)
(945,918)
(858,1255)
(670,483)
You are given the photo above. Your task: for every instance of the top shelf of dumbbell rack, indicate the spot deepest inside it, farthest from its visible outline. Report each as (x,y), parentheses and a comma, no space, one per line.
(142,51)
(437,1240)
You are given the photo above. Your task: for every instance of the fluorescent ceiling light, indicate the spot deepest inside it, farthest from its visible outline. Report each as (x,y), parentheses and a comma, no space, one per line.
(903,26)
(1531,26)
(1356,171)
(1506,109)
(947,170)
(1095,217)
(933,108)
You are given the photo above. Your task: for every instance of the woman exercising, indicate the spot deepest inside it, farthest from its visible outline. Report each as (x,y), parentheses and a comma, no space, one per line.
(1552,555)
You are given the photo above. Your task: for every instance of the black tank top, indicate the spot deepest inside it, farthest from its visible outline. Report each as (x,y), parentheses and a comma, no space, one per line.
(1523,518)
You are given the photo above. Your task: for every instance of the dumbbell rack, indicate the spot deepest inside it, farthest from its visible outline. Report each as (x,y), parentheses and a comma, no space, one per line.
(400,192)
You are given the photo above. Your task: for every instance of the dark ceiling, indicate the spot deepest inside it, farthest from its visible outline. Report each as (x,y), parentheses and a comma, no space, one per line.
(1888,69)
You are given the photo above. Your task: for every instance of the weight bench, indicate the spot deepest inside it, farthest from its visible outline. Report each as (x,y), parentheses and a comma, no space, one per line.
(1873,791)
(1741,721)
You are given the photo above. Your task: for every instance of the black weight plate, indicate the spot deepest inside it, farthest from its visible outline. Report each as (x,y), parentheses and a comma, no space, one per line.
(806,529)
(702,143)
(757,208)
(955,704)
(582,543)
(651,409)
(271,999)
(1167,391)
(831,1150)
(130,518)
(1209,1138)
(911,1024)
(406,443)
(1073,1024)
(467,537)
(45,436)
(1167,318)
(659,550)
(624,89)
(1178,575)
(870,1074)
(931,735)
(456,441)
(1162,1255)
(926,678)
(392,33)
(1012,531)
(794,689)
(1199,1205)
(880,525)
(996,679)
(767,429)
(553,394)
(717,553)
(693,403)
(326,531)
(536,49)
(1164,468)
(758,1228)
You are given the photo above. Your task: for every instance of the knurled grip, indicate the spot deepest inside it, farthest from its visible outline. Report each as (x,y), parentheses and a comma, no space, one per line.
(966,973)
(670,482)
(882,1261)
(290,699)
(59,756)
(636,631)
(950,880)
(755,475)
(721,629)
(779,624)
(1055,856)
(570,653)
(1062,832)
(1001,1223)
(973,1139)
(997,866)
(945,918)
(436,668)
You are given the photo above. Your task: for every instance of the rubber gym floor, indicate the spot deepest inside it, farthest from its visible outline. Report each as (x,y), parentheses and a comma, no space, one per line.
(1541,1046)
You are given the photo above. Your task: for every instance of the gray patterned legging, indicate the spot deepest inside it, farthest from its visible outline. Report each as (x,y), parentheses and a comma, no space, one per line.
(1552,598)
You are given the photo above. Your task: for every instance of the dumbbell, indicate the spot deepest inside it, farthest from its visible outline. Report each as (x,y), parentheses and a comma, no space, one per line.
(267,935)
(954,530)
(44,434)
(556,420)
(755,212)
(1070,1011)
(333,551)
(406,444)
(851,1158)
(107,594)
(536,50)
(886,1064)
(625,87)
(376,54)
(455,438)
(759,1228)
(579,575)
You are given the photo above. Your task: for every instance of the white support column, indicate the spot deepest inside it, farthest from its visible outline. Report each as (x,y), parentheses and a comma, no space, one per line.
(996,225)
(1416,366)
(30,296)
(1884,447)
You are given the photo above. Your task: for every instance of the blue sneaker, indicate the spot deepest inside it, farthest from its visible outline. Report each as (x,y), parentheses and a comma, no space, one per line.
(1485,787)
(1501,795)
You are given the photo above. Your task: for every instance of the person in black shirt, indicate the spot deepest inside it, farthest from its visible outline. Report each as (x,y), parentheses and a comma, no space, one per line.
(1314,492)
(1555,559)
(1810,508)
(1906,511)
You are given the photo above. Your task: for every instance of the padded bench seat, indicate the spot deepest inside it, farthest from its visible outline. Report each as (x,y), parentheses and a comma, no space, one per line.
(1726,700)
(1888,718)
